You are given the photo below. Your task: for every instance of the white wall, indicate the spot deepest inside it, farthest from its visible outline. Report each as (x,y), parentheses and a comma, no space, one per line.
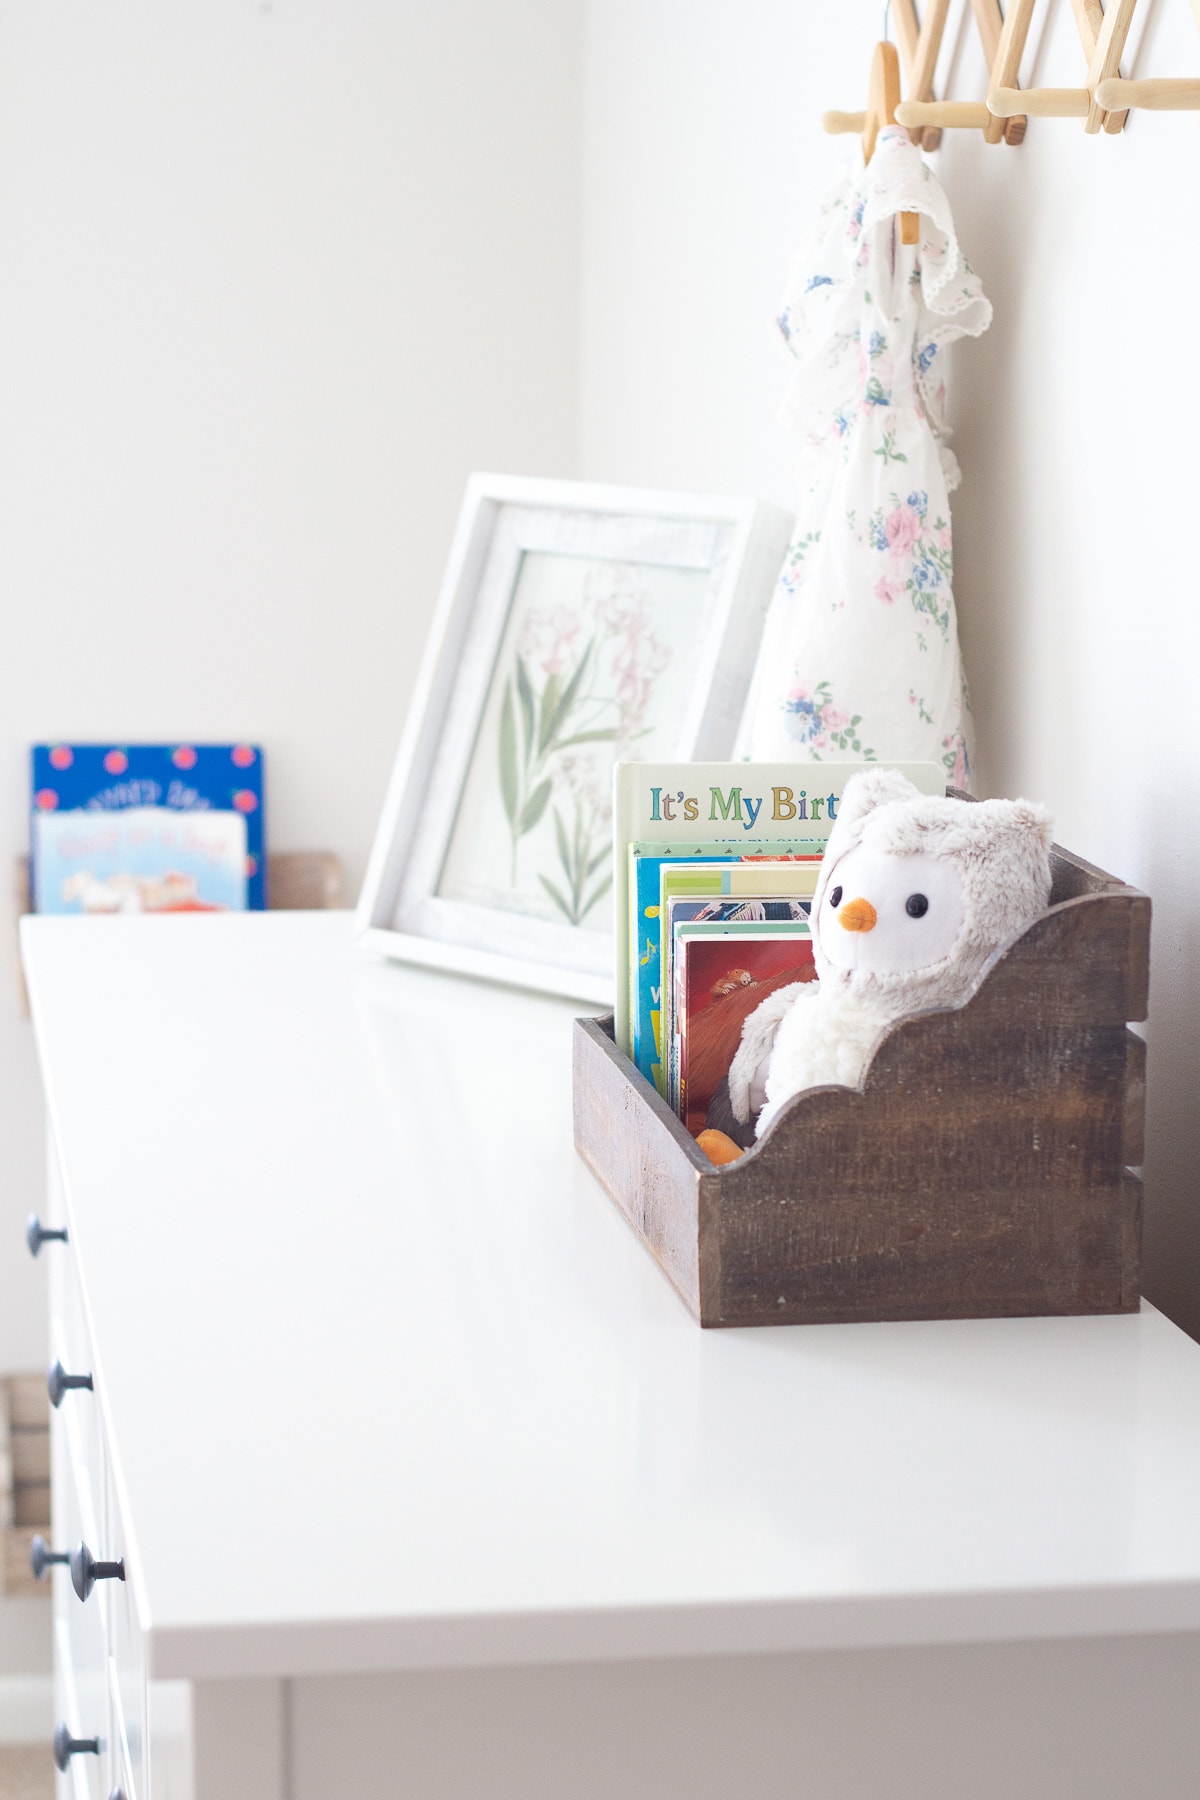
(274,277)
(1077,418)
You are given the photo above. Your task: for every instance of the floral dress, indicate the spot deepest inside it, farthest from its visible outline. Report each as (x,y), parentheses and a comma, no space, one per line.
(860,651)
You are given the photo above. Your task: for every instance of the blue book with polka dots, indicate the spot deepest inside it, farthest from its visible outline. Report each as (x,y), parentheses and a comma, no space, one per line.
(134,828)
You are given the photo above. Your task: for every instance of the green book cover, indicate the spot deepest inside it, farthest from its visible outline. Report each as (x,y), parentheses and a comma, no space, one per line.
(730,808)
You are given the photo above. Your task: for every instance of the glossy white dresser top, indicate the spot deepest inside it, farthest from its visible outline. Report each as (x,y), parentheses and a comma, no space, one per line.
(388,1383)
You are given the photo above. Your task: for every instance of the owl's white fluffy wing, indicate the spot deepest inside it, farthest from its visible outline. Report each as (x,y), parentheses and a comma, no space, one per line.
(748,1070)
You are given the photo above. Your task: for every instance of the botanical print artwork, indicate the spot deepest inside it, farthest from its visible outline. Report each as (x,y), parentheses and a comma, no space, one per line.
(595,666)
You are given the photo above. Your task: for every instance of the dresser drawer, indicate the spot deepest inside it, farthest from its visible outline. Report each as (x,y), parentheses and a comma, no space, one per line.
(77,1417)
(126,1648)
(82,1706)
(81,1647)
(127,1773)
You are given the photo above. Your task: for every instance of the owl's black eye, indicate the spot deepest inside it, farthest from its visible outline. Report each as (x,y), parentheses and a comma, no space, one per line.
(835,899)
(916,906)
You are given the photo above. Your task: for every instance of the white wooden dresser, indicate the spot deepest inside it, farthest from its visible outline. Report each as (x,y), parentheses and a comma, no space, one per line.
(424,1484)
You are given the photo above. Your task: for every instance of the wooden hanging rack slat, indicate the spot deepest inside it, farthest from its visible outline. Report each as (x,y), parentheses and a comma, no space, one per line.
(1009,52)
(1106,62)
(1039,103)
(1155,94)
(919,47)
(1103,101)
(937,113)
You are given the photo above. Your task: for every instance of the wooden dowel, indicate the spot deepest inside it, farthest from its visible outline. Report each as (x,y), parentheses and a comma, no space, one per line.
(1008,62)
(989,23)
(1089,17)
(1039,103)
(908,34)
(958,113)
(910,228)
(933,26)
(835,122)
(1155,95)
(1106,61)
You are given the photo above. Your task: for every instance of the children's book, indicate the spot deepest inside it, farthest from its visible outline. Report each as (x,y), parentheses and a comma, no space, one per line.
(130,828)
(732,874)
(722,971)
(729,809)
(643,955)
(763,881)
(777,892)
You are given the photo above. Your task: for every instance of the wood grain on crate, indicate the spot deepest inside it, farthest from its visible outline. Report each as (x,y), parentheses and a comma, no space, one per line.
(983,1169)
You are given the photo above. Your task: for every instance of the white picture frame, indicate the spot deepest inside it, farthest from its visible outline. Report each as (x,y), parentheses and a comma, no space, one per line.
(640,612)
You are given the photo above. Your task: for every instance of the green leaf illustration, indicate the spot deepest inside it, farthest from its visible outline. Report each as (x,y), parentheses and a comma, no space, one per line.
(549,708)
(509,785)
(594,900)
(560,834)
(563,703)
(606,735)
(600,857)
(535,806)
(525,695)
(560,900)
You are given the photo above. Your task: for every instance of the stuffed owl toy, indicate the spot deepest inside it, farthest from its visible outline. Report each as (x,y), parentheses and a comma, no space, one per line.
(914,896)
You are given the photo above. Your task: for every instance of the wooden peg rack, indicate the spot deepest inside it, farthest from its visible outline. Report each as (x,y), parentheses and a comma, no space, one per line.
(1103,101)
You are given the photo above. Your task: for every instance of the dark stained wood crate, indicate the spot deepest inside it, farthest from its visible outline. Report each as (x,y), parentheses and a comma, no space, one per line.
(984,1169)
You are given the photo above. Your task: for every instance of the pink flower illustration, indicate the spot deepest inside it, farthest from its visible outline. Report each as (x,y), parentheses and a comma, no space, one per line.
(887,591)
(550,639)
(944,538)
(902,528)
(639,656)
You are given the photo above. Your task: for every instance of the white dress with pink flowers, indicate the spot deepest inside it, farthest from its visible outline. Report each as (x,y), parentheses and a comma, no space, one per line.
(860,652)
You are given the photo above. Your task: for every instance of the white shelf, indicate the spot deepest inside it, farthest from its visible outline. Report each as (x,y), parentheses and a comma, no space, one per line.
(389,1384)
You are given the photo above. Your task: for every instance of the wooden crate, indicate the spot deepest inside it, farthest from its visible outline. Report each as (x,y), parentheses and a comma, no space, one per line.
(984,1169)
(24,1478)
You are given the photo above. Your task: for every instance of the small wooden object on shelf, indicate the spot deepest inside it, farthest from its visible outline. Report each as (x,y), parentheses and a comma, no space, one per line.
(24,1478)
(987,1168)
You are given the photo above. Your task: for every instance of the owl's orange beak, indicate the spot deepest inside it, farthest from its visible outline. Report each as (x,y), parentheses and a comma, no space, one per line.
(857,915)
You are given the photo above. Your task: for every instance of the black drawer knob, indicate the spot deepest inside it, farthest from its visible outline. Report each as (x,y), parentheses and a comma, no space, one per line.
(37,1234)
(66,1746)
(58,1383)
(41,1556)
(86,1571)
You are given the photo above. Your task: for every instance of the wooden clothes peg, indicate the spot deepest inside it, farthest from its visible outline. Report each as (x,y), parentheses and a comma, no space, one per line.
(926,116)
(919,49)
(1102,34)
(1156,93)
